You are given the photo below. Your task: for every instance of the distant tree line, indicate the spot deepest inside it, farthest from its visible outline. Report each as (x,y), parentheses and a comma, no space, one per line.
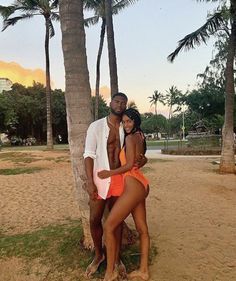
(23,113)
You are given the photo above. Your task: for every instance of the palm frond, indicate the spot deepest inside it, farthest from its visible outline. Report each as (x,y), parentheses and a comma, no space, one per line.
(51,29)
(13,21)
(27,5)
(54,4)
(91,21)
(17,7)
(117,6)
(92,4)
(55,16)
(207,0)
(7,11)
(213,24)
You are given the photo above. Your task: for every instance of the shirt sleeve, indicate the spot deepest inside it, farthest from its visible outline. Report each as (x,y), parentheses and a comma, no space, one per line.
(90,143)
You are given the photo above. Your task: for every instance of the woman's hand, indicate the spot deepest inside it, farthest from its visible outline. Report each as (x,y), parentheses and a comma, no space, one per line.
(104,174)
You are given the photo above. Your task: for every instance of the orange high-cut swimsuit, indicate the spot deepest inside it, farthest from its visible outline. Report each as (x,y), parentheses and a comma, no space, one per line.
(134,172)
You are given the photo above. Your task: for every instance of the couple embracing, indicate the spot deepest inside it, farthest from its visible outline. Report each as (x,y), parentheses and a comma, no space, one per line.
(114,151)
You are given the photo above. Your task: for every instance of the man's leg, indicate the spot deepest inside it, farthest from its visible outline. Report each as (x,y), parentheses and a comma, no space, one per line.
(96,229)
(118,235)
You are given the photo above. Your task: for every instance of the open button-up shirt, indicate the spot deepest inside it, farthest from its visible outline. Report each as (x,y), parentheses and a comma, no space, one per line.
(96,148)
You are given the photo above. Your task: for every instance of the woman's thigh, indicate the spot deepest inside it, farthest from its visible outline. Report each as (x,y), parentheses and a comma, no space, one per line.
(133,194)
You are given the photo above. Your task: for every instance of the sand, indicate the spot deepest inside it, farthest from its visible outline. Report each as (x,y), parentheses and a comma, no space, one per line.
(191,213)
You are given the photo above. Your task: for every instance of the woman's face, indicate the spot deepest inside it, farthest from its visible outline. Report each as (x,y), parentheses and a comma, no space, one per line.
(128,124)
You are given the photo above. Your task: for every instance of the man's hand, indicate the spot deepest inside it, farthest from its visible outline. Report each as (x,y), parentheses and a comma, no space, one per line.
(140,161)
(104,174)
(92,190)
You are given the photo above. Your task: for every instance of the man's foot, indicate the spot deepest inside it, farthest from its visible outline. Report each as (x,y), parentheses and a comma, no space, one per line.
(138,274)
(93,266)
(111,277)
(121,269)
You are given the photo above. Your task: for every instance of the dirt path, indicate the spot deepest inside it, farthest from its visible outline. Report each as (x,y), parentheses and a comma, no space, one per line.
(191,214)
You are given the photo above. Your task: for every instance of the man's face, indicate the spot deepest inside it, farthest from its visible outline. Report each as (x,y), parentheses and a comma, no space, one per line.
(118,105)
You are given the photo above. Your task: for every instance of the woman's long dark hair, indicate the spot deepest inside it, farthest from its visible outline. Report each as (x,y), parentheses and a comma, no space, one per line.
(134,115)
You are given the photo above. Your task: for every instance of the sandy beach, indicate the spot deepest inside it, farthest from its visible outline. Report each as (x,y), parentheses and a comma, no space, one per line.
(191,214)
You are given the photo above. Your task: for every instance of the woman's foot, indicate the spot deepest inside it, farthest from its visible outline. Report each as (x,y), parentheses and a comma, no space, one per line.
(111,277)
(138,274)
(93,266)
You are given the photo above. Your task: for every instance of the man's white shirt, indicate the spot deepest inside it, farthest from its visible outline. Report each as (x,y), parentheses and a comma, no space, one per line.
(96,148)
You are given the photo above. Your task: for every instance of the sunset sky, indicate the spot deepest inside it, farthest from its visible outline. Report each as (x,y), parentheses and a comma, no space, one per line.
(145,34)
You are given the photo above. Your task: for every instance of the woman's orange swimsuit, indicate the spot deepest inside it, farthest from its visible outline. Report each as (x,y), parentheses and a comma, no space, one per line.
(134,172)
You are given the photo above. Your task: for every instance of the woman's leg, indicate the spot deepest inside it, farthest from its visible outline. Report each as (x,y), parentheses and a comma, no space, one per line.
(133,194)
(139,215)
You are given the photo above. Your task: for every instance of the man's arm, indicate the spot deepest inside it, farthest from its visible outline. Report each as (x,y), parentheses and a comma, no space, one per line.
(130,157)
(91,187)
(89,156)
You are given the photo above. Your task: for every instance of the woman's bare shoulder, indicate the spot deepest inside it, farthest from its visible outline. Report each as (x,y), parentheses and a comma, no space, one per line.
(138,137)
(130,138)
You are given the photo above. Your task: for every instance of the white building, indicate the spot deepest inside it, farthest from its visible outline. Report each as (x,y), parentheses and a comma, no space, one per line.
(5,84)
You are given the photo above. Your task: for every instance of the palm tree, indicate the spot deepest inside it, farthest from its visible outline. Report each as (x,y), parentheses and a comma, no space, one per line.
(224,20)
(26,9)
(154,99)
(172,97)
(111,48)
(132,104)
(78,98)
(98,7)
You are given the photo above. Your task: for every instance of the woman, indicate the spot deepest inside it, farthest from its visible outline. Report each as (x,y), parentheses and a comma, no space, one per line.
(132,199)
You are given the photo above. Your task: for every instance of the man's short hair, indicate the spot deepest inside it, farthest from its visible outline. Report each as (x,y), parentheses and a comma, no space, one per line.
(119,94)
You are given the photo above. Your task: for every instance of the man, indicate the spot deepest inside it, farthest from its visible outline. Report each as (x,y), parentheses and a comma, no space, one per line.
(104,140)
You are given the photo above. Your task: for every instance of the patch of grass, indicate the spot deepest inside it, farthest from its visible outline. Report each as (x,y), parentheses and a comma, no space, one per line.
(62,159)
(10,155)
(131,256)
(60,247)
(18,157)
(35,147)
(49,158)
(18,171)
(53,242)
(163,142)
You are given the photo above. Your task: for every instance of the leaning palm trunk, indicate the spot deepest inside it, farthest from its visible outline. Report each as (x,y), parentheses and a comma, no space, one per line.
(227,162)
(48,90)
(102,35)
(111,48)
(78,98)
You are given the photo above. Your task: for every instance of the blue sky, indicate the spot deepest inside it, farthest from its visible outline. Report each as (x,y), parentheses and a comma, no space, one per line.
(145,34)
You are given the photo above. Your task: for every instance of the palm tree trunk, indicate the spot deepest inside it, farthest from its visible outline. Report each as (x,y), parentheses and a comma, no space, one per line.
(156,119)
(78,98)
(111,48)
(227,161)
(169,122)
(102,35)
(48,89)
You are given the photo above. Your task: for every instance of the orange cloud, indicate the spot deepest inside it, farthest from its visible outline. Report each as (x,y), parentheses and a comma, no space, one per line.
(104,91)
(18,74)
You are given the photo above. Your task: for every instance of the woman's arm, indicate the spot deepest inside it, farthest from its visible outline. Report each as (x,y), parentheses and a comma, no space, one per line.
(130,158)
